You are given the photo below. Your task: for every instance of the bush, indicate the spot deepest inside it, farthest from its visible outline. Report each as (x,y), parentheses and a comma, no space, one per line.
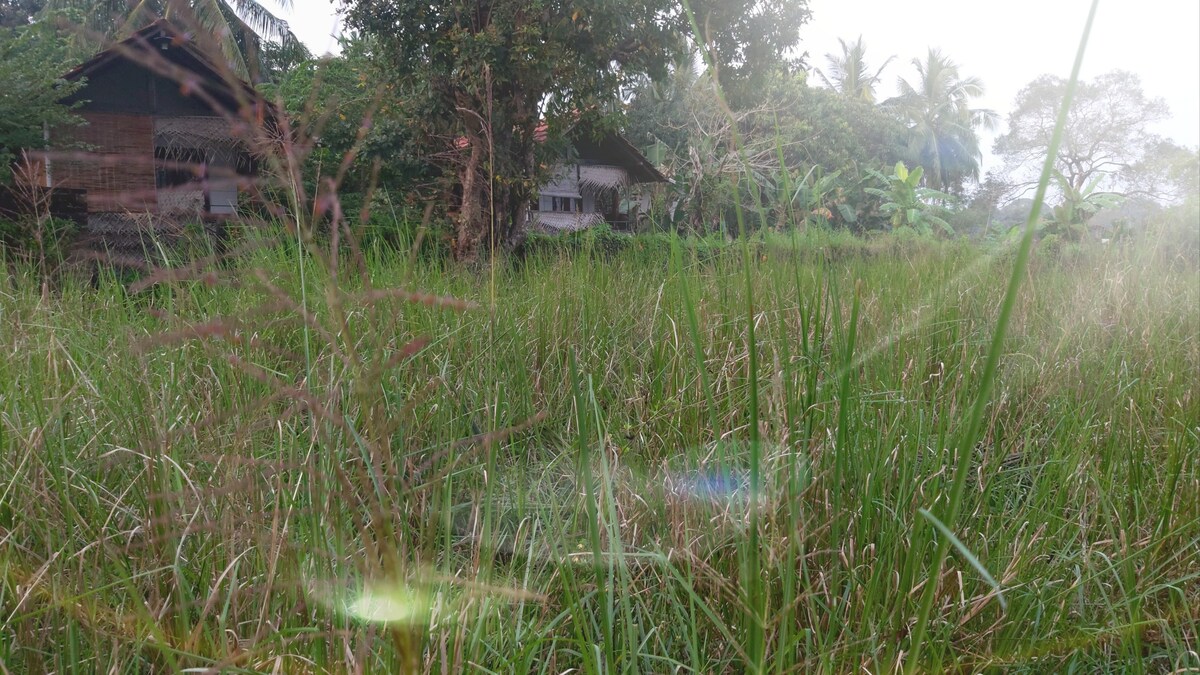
(599,241)
(39,240)
(1177,239)
(602,243)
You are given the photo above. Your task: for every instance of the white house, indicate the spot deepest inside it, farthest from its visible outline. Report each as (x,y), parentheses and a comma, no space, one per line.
(594,185)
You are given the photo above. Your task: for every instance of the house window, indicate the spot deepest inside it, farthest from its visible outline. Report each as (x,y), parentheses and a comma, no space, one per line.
(177,166)
(566,204)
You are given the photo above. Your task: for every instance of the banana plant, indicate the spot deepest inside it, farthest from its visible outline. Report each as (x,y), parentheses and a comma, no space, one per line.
(816,194)
(907,203)
(1069,219)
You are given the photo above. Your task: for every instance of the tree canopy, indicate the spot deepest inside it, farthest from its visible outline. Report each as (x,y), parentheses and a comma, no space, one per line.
(33,58)
(849,73)
(805,154)
(14,13)
(488,72)
(1107,140)
(942,124)
(351,122)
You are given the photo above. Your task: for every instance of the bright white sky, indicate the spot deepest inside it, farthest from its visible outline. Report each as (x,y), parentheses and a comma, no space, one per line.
(1005,43)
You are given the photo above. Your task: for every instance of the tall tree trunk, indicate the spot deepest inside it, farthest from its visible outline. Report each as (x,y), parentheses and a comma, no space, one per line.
(495,190)
(473,218)
(517,194)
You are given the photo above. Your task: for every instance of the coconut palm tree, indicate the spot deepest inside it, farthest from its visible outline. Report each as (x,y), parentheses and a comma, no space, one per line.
(658,110)
(242,28)
(848,73)
(941,124)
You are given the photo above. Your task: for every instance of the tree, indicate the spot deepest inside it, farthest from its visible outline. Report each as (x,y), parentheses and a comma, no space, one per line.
(241,27)
(841,136)
(1166,172)
(1106,144)
(350,121)
(747,41)
(489,71)
(941,123)
(15,13)
(985,207)
(1069,218)
(659,110)
(849,74)
(809,152)
(712,175)
(32,60)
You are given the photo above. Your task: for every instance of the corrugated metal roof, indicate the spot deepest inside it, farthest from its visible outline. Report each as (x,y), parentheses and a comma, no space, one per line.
(554,221)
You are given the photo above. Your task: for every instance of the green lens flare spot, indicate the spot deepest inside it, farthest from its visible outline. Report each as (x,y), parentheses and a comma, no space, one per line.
(391,605)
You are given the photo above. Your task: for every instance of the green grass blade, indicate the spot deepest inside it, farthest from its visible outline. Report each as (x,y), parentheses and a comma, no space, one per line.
(970,434)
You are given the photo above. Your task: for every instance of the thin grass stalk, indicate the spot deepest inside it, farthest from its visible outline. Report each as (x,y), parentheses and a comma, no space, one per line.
(756,596)
(693,323)
(843,450)
(591,497)
(970,433)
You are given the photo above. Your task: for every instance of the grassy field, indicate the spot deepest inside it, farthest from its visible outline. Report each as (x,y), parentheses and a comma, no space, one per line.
(666,459)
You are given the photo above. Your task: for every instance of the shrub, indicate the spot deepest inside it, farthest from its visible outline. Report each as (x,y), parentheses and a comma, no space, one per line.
(42,241)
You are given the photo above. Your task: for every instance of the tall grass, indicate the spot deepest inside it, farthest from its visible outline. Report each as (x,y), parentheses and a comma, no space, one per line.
(217,503)
(801,452)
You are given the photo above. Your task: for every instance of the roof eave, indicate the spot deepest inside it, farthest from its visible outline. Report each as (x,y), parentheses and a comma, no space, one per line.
(225,82)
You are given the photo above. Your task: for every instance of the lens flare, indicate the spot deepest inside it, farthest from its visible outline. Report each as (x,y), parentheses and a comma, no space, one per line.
(713,485)
(393,604)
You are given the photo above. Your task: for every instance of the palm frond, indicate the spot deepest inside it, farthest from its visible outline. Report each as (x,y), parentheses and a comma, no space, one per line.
(238,26)
(264,23)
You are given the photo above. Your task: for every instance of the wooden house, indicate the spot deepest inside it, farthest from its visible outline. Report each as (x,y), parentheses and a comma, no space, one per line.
(168,136)
(592,184)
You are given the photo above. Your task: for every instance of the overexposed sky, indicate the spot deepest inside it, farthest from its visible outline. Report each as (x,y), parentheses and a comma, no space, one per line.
(1006,44)
(315,22)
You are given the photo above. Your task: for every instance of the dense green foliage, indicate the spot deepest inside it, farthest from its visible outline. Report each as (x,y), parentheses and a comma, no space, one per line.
(811,154)
(33,59)
(354,126)
(16,13)
(39,240)
(907,204)
(805,154)
(491,73)
(196,477)
(814,127)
